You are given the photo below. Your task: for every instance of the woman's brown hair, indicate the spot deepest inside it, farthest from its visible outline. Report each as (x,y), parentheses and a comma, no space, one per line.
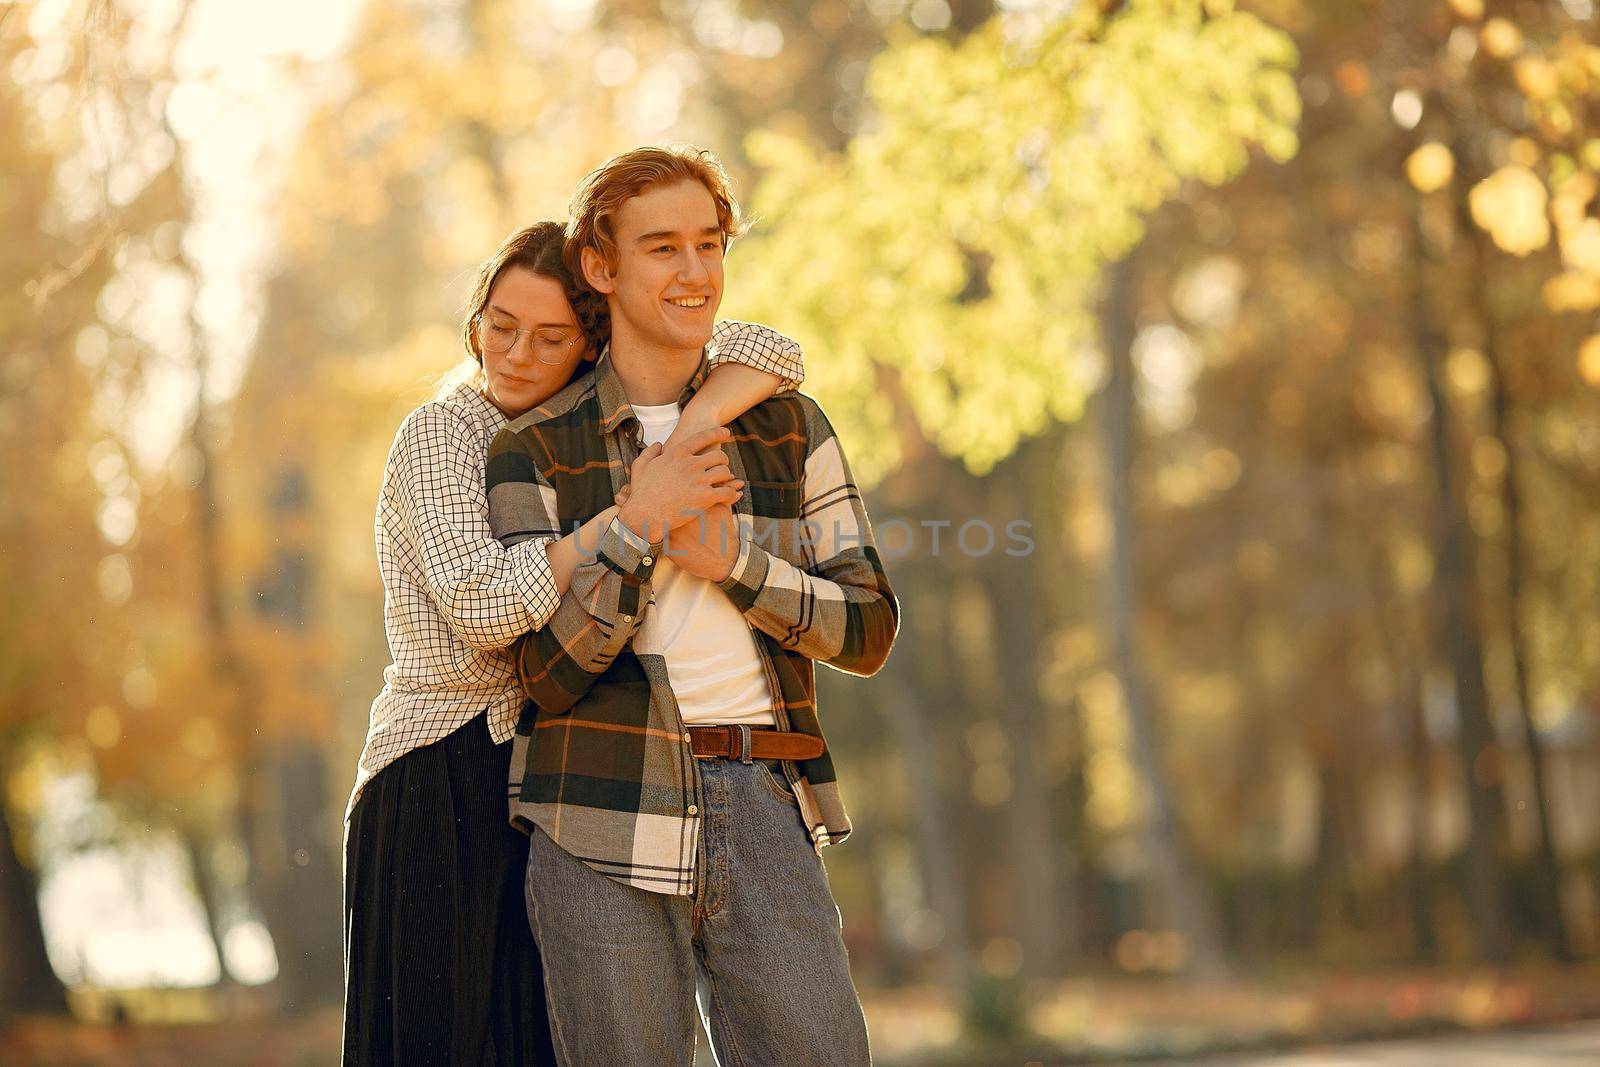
(536,249)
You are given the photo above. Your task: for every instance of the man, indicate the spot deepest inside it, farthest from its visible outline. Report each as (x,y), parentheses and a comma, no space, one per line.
(671,767)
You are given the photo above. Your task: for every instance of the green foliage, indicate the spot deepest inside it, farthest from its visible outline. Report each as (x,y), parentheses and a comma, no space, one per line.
(950,260)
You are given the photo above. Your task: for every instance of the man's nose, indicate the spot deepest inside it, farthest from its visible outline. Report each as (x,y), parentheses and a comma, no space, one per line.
(692,271)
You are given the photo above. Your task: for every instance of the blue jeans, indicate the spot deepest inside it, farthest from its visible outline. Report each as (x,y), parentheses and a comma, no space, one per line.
(761,934)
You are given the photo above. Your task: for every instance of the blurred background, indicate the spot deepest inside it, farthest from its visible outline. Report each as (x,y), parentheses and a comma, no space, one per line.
(1260,337)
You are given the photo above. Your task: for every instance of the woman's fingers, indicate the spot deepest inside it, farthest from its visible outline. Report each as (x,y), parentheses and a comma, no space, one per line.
(720,495)
(643,460)
(726,492)
(699,442)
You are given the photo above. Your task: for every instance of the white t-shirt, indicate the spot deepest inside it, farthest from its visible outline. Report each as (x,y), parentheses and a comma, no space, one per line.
(711,654)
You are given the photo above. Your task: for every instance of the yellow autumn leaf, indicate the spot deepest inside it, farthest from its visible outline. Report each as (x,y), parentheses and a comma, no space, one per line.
(1524,150)
(1431,167)
(1580,246)
(1570,205)
(1536,77)
(1589,360)
(1510,206)
(1501,38)
(1571,291)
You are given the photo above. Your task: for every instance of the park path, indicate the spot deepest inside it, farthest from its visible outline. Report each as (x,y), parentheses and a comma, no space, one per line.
(1577,1045)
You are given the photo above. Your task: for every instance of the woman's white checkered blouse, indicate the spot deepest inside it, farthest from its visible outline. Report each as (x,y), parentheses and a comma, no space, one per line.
(453,596)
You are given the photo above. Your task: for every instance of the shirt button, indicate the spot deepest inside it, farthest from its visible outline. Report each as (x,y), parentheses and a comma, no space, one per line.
(627,618)
(693,810)
(648,560)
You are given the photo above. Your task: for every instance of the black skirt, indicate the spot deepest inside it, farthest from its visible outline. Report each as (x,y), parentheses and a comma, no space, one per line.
(440,966)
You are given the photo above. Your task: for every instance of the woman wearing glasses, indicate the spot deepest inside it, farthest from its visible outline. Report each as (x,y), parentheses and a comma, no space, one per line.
(440,964)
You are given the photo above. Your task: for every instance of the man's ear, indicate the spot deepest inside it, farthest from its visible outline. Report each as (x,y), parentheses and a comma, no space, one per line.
(597,272)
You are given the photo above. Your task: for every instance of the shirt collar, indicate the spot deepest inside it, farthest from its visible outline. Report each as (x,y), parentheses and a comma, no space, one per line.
(615,411)
(471,396)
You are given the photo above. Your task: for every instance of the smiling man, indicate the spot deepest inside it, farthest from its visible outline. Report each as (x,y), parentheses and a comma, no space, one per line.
(671,769)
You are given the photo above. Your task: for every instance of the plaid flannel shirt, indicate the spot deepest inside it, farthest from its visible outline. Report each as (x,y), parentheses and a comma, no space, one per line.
(454,599)
(601,759)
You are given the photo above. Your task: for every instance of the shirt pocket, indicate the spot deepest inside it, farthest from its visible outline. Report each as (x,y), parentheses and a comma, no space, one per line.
(774,510)
(774,500)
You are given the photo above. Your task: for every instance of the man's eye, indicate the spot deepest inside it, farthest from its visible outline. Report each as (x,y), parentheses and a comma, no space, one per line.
(663,248)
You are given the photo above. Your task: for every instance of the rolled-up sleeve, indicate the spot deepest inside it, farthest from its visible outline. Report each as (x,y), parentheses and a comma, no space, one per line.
(760,347)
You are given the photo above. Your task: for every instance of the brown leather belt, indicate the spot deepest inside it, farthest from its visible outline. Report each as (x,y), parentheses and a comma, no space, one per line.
(746,743)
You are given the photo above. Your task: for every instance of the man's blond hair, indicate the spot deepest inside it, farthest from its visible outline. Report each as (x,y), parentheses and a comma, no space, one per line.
(592,213)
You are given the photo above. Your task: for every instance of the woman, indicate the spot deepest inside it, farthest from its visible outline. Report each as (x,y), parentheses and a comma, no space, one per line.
(440,964)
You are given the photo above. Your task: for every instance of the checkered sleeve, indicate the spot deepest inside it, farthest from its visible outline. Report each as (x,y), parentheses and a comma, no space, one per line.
(760,347)
(488,593)
(839,609)
(558,662)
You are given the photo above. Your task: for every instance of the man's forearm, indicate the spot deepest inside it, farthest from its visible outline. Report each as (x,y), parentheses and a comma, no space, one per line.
(845,615)
(598,615)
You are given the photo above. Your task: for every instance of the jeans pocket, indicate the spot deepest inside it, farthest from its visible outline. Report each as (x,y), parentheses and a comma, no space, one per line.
(777,784)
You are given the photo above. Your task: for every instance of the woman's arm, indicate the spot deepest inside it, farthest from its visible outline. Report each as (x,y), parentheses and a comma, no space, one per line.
(435,510)
(730,390)
(750,362)
(578,547)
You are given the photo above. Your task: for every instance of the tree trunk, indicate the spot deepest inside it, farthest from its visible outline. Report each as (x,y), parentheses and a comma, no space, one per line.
(1454,578)
(1404,652)
(1019,615)
(1084,924)
(28,984)
(206,886)
(1548,881)
(907,709)
(297,878)
(1425,944)
(1179,884)
(1332,892)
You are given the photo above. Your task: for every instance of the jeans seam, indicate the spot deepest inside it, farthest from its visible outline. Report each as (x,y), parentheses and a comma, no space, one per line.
(557,1037)
(729,1042)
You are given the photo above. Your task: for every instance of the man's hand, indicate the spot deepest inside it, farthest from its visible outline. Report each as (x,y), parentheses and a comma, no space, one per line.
(672,486)
(706,547)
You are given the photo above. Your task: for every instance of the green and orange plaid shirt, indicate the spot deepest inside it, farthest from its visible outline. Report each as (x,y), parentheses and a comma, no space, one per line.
(601,759)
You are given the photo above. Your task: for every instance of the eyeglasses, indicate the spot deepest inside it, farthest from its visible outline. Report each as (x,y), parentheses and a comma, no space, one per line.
(548,345)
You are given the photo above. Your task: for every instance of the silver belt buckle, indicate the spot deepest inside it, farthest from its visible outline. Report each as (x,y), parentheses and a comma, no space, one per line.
(744,742)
